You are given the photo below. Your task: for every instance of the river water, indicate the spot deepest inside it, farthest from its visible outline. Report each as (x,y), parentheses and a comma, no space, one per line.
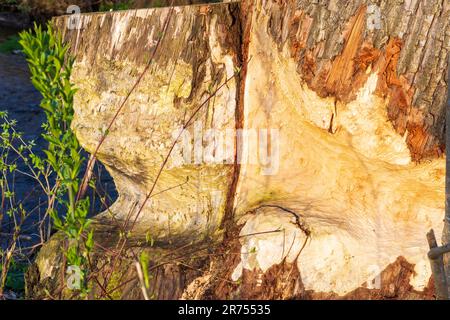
(21,100)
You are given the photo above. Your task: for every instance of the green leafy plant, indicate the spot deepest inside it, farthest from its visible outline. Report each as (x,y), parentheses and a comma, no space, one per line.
(115,5)
(12,150)
(14,279)
(51,67)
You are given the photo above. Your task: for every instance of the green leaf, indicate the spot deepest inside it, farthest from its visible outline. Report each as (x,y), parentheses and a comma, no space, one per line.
(144,261)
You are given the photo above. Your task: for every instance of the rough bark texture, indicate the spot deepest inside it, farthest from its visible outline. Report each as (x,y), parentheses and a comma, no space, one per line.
(352,110)
(334,42)
(446,232)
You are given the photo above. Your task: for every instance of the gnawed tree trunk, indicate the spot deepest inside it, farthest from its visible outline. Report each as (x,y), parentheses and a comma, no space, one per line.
(347,97)
(360,115)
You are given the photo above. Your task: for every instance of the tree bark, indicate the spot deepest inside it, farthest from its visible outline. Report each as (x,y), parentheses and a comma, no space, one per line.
(337,117)
(446,232)
(437,267)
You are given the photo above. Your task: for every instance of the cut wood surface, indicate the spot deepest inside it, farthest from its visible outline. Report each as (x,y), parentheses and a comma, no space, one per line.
(315,171)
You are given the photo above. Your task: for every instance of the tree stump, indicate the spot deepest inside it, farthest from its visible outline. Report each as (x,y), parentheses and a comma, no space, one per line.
(308,141)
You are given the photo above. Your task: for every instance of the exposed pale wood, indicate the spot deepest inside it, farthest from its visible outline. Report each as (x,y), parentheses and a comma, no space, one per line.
(343,165)
(356,115)
(198,53)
